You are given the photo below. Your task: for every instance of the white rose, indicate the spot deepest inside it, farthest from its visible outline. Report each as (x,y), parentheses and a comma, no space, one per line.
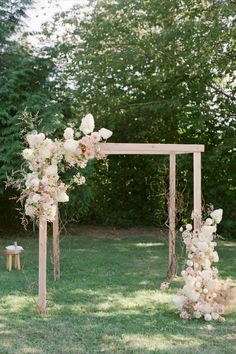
(62,197)
(203,246)
(197,314)
(71,145)
(207,317)
(87,124)
(27,154)
(34,182)
(105,133)
(190,263)
(69,133)
(217,215)
(208,221)
(198,285)
(189,227)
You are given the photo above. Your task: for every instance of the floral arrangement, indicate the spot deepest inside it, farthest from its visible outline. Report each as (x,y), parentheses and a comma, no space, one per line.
(201,295)
(42,186)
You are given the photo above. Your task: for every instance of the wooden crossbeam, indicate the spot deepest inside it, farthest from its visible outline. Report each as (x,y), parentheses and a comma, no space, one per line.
(149,149)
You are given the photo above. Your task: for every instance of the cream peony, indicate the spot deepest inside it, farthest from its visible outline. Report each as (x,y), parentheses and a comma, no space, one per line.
(87,124)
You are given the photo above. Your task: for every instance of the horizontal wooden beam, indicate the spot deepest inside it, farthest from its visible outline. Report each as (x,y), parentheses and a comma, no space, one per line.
(149,149)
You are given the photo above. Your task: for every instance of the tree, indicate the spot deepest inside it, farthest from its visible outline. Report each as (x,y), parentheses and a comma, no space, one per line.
(157,71)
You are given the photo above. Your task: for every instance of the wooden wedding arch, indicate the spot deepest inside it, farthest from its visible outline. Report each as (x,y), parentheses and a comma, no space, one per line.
(131,149)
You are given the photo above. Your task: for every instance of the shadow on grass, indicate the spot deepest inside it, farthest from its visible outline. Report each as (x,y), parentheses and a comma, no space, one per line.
(108,301)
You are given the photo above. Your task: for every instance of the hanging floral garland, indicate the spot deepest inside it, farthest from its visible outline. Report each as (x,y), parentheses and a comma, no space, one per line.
(202,293)
(46,159)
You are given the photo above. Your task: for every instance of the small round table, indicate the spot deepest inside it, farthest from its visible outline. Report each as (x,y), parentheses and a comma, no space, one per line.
(9,254)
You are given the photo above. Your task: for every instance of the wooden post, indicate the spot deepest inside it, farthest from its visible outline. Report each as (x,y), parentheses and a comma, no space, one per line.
(56,247)
(197,208)
(172,213)
(42,264)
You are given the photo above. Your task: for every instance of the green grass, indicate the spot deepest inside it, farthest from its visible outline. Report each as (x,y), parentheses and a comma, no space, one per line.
(107,301)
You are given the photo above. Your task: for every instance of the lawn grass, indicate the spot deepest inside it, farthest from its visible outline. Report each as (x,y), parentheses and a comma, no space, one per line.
(107,301)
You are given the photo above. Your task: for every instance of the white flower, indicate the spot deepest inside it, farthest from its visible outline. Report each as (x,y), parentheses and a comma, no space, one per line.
(190,263)
(62,197)
(181,229)
(95,137)
(34,139)
(36,198)
(189,227)
(30,210)
(208,229)
(46,149)
(215,256)
(87,124)
(51,170)
(71,145)
(28,154)
(179,301)
(217,215)
(206,274)
(207,317)
(197,314)
(105,133)
(215,316)
(208,221)
(203,246)
(69,133)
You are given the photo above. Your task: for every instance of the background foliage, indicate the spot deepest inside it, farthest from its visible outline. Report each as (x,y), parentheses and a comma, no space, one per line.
(151,71)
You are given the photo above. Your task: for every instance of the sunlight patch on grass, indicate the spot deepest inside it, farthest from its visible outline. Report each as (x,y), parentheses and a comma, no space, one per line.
(149,244)
(31,351)
(158,341)
(140,298)
(15,303)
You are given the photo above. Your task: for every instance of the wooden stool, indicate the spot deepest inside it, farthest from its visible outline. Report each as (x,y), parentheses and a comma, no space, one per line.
(16,254)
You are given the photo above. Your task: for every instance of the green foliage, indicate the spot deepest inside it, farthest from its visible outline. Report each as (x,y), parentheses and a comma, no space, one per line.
(151,71)
(162,72)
